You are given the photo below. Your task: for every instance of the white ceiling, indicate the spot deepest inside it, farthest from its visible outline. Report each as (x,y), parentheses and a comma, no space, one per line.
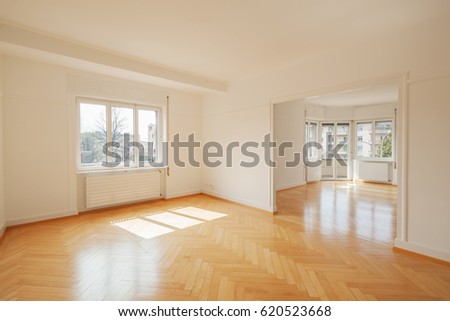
(221,40)
(359,97)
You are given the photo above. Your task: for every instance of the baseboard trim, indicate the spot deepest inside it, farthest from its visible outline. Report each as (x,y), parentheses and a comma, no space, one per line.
(39,218)
(401,246)
(2,230)
(241,202)
(372,182)
(283,188)
(195,192)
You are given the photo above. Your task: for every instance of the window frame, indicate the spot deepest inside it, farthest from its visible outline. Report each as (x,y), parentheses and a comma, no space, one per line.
(109,104)
(373,135)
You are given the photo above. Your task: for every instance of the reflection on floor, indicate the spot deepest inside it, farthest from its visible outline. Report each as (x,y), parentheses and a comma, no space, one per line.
(342,208)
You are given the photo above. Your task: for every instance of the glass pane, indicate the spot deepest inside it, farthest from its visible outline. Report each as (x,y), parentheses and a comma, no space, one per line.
(364,140)
(327,140)
(383,139)
(148,134)
(342,132)
(122,123)
(313,138)
(313,132)
(306,133)
(342,136)
(92,134)
(327,151)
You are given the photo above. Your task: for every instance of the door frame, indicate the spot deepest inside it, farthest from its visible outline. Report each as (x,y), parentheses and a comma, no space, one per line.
(401,163)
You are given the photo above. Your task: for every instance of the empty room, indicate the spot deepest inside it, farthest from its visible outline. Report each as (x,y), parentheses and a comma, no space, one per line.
(224,150)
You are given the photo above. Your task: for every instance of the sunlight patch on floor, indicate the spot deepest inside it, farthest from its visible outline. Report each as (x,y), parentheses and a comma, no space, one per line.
(179,218)
(199,213)
(143,228)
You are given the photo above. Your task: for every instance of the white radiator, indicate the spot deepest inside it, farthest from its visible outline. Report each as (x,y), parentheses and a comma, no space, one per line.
(373,171)
(105,190)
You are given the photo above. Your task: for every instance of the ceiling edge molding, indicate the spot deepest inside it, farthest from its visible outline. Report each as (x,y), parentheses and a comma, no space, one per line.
(29,39)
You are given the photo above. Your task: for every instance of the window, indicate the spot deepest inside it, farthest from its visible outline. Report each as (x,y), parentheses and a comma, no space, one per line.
(342,134)
(364,146)
(92,133)
(115,135)
(374,139)
(312,132)
(383,139)
(328,139)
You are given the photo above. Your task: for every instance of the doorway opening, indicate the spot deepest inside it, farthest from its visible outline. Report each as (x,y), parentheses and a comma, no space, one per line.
(332,135)
(359,132)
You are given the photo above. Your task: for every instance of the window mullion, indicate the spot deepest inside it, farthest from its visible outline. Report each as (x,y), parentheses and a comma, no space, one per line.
(108,128)
(374,150)
(136,137)
(159,132)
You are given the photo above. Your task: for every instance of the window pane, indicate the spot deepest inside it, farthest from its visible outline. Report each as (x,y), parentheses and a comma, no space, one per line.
(313,132)
(383,139)
(148,134)
(92,134)
(313,138)
(342,134)
(327,141)
(122,123)
(306,133)
(364,140)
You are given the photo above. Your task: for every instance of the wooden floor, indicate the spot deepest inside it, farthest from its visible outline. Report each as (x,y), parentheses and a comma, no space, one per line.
(329,241)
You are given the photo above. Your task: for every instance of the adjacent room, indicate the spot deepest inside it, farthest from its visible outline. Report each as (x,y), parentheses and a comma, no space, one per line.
(359,125)
(212,150)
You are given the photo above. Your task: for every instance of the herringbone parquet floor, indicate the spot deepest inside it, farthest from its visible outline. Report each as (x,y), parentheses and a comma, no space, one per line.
(330,241)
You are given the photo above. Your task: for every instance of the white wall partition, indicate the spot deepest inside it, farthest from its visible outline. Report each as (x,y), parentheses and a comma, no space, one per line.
(428,184)
(2,198)
(289,127)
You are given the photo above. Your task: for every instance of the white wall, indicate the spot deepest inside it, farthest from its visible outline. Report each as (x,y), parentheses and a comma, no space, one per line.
(36,141)
(351,112)
(428,183)
(39,135)
(236,183)
(2,199)
(375,111)
(315,112)
(185,119)
(339,113)
(289,126)
(422,51)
